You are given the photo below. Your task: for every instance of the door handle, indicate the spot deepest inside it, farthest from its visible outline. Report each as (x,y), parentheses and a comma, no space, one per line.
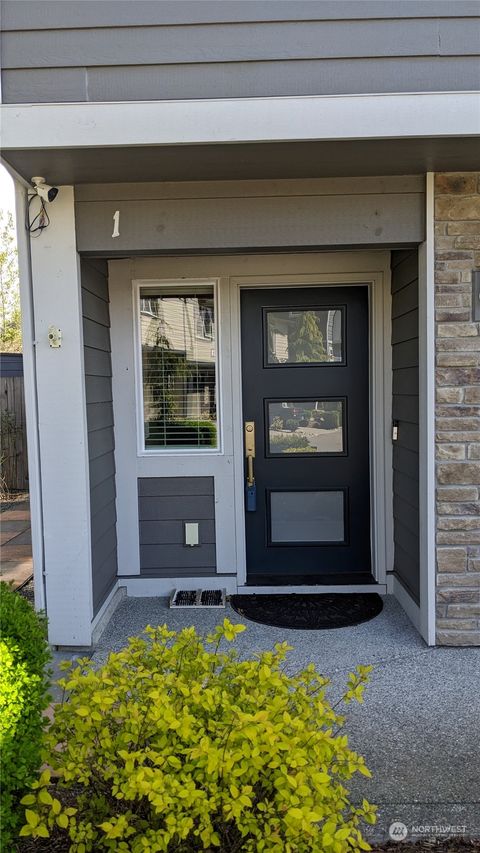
(249,432)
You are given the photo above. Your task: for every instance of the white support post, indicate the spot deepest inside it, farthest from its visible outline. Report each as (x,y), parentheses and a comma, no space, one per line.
(62,427)
(426,321)
(30,391)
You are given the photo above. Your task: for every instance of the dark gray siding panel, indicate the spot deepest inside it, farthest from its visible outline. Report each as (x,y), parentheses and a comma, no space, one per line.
(405,412)
(266,79)
(165,503)
(57,14)
(253,222)
(120,51)
(241,80)
(98,386)
(11,364)
(44,85)
(235,43)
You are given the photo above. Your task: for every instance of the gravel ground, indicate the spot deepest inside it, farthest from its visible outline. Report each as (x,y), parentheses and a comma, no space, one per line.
(26,590)
(451,845)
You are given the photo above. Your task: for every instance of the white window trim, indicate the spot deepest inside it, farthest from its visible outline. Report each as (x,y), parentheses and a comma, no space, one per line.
(139,284)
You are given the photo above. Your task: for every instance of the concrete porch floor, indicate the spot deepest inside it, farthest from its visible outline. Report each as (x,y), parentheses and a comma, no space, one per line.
(418,727)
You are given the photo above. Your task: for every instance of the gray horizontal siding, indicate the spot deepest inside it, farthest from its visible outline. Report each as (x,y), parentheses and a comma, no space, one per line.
(141,51)
(247,42)
(98,387)
(164,504)
(57,14)
(260,214)
(406,530)
(237,80)
(11,364)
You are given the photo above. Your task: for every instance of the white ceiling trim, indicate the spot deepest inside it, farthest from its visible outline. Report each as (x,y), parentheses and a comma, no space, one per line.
(320,118)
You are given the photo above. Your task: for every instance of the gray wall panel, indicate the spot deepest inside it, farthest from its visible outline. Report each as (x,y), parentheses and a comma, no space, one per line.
(405,412)
(101,442)
(98,389)
(95,335)
(167,556)
(273,78)
(99,416)
(102,495)
(44,85)
(175,486)
(188,507)
(117,50)
(57,14)
(284,221)
(172,532)
(101,468)
(165,503)
(228,43)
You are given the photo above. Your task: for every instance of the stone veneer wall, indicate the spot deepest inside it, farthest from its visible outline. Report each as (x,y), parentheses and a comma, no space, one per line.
(457,253)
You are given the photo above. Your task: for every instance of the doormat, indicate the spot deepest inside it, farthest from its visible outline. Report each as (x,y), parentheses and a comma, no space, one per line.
(309,612)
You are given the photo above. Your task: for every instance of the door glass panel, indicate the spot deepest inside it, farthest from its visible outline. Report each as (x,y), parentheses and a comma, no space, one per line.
(305,426)
(304,336)
(307,516)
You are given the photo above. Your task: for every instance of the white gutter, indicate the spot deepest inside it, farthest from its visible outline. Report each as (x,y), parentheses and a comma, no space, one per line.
(323,117)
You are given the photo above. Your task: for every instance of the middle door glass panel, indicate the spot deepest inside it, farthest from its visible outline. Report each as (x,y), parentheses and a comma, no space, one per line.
(306,427)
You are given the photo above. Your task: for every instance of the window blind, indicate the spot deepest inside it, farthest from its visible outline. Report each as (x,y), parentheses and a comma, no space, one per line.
(178,343)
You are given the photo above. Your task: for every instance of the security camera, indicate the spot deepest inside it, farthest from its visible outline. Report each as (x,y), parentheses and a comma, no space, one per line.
(43,190)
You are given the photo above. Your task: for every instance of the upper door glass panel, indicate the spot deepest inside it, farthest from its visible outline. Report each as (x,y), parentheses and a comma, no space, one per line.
(304,336)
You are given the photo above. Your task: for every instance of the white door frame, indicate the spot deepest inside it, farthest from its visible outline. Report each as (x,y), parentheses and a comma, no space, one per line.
(233,273)
(381,504)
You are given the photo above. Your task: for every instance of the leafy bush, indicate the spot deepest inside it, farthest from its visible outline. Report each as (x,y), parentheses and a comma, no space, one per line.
(181,747)
(24,654)
(193,433)
(280,443)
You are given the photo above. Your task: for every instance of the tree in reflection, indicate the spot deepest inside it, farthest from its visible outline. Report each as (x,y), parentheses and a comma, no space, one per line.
(305,340)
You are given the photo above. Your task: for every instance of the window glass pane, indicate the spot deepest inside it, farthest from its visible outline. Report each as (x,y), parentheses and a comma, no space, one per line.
(307,517)
(305,426)
(177,334)
(312,336)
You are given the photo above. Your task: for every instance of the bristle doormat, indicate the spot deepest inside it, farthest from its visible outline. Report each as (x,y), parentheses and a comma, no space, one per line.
(309,612)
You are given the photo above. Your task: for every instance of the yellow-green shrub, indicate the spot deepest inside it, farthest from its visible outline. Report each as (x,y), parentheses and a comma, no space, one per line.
(24,654)
(181,747)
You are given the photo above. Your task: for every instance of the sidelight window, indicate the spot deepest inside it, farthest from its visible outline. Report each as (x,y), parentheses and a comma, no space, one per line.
(177,331)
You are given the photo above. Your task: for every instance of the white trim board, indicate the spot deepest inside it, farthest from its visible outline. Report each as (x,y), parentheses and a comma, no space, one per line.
(227,120)
(152,587)
(406,602)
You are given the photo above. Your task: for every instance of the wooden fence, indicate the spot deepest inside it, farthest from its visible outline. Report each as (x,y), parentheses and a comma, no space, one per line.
(13,441)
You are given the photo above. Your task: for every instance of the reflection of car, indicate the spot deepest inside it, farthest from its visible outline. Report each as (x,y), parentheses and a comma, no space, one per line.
(284,411)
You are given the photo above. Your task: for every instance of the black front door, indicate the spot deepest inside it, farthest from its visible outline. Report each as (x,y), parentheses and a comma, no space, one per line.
(306,391)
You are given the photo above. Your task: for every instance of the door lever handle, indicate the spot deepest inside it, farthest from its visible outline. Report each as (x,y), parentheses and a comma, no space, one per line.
(249,430)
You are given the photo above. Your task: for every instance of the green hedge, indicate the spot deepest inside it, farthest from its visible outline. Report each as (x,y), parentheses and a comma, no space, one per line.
(194,434)
(24,655)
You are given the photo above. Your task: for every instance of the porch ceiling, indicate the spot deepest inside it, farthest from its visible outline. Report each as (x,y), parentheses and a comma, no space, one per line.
(65,166)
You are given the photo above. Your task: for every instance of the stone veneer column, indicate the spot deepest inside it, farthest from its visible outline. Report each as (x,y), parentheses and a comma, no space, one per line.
(457,253)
